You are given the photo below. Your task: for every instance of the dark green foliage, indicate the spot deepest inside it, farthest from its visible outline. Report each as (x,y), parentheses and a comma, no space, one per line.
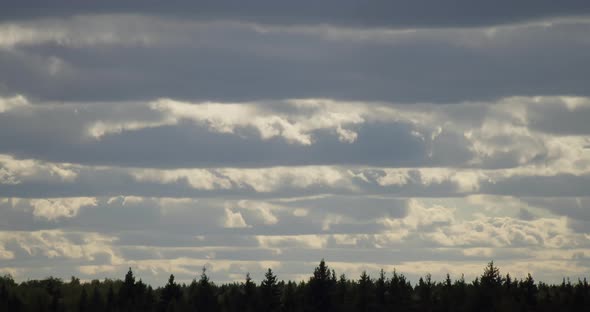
(249,295)
(400,292)
(320,289)
(202,294)
(170,296)
(425,290)
(289,300)
(83,302)
(381,291)
(96,301)
(364,293)
(110,299)
(322,292)
(270,295)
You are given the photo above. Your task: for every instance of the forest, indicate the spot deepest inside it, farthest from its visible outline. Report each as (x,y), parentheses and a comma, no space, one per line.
(323,291)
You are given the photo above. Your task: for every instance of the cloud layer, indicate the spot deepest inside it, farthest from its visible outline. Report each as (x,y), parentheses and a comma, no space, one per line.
(374,135)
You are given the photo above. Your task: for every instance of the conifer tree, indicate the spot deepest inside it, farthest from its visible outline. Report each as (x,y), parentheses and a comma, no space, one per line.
(111,304)
(364,292)
(170,294)
(380,290)
(425,289)
(126,294)
(270,294)
(400,292)
(320,288)
(83,301)
(288,300)
(249,294)
(203,296)
(491,278)
(96,303)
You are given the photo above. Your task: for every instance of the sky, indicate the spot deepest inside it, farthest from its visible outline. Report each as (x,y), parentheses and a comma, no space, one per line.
(167,136)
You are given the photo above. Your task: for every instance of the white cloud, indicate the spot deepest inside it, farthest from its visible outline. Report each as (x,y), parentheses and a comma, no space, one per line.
(5,254)
(234,219)
(466,180)
(99,129)
(61,244)
(294,128)
(293,241)
(7,104)
(260,180)
(55,208)
(196,178)
(269,179)
(505,231)
(421,216)
(262,210)
(78,31)
(14,171)
(125,200)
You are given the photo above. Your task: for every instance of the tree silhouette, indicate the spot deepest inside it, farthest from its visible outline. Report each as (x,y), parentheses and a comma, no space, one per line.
(270,298)
(400,292)
(110,306)
(202,294)
(289,301)
(96,303)
(381,291)
(83,302)
(322,292)
(126,293)
(364,292)
(249,294)
(489,286)
(491,278)
(170,295)
(320,286)
(425,291)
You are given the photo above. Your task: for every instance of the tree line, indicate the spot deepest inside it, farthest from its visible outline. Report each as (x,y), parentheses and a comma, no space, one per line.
(323,291)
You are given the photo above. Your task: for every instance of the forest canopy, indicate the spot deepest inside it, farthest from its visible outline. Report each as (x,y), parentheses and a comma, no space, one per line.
(323,291)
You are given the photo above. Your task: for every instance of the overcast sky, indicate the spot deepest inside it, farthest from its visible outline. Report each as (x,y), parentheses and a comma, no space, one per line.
(426,136)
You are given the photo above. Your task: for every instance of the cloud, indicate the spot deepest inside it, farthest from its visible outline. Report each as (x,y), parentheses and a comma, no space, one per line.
(115,135)
(376,13)
(375,135)
(60,244)
(179,240)
(14,102)
(55,208)
(310,241)
(565,116)
(76,31)
(225,118)
(497,232)
(15,171)
(234,219)
(291,61)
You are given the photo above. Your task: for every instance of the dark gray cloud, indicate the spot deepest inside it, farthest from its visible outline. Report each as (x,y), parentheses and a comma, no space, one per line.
(560,120)
(240,63)
(559,185)
(577,208)
(188,145)
(397,13)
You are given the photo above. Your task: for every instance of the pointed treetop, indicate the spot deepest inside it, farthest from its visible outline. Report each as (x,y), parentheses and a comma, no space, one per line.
(491,275)
(322,272)
(270,280)
(129,278)
(204,280)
